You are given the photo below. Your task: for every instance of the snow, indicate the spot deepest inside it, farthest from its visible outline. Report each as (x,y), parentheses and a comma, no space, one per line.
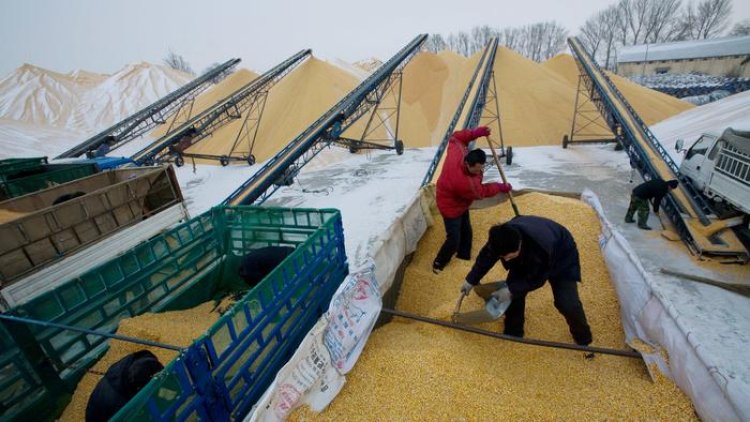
(82,101)
(732,111)
(718,47)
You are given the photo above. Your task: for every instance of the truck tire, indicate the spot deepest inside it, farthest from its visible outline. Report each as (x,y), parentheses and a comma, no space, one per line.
(509,156)
(179,161)
(250,159)
(565,142)
(224,160)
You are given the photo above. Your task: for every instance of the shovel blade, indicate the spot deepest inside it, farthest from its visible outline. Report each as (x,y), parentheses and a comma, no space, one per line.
(485,290)
(493,310)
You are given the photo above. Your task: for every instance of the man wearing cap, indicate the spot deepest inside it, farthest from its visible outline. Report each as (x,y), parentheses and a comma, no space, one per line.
(534,250)
(653,190)
(460,184)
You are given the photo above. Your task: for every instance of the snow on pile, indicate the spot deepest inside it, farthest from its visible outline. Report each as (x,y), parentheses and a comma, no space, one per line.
(83,101)
(732,111)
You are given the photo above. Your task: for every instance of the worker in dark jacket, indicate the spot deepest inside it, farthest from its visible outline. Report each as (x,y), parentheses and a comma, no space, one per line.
(120,383)
(534,250)
(258,263)
(653,190)
(460,184)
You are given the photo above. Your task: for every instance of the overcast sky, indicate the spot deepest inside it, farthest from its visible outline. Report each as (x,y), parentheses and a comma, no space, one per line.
(104,35)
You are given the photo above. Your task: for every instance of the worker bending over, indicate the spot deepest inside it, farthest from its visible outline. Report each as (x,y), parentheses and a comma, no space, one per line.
(653,190)
(534,250)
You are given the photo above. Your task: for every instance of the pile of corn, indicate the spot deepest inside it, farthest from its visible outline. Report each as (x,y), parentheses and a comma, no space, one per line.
(178,328)
(411,370)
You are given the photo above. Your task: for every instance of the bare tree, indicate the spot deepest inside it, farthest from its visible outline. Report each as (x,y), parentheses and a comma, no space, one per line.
(741,28)
(511,38)
(463,43)
(177,62)
(662,20)
(480,36)
(435,43)
(706,20)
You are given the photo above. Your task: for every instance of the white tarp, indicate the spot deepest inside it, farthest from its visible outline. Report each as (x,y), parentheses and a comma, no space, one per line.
(650,319)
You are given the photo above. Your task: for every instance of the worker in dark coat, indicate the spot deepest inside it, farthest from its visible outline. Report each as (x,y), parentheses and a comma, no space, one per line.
(260,262)
(654,191)
(460,184)
(534,250)
(120,383)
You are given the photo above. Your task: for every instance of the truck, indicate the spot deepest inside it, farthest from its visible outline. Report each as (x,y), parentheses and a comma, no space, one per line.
(718,165)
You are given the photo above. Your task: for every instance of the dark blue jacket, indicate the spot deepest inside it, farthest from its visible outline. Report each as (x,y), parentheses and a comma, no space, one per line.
(548,252)
(653,190)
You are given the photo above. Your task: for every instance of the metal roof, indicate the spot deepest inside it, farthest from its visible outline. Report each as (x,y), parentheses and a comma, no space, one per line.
(697,49)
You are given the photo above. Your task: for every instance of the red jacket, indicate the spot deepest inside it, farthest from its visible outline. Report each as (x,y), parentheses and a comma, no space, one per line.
(456,187)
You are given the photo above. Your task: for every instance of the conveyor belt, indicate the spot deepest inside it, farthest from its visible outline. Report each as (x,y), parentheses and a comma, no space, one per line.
(469,111)
(685,207)
(155,114)
(287,162)
(226,110)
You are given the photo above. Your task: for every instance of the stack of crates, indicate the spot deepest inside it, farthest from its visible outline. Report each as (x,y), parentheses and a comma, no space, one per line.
(21,176)
(221,374)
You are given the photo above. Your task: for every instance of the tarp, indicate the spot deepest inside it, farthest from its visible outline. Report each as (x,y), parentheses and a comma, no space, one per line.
(652,327)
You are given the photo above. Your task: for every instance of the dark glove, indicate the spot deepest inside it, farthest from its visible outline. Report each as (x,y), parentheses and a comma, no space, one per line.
(505,187)
(481,131)
(502,294)
(466,288)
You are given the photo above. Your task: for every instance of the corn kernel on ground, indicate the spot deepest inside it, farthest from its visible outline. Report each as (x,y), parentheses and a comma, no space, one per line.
(415,371)
(178,328)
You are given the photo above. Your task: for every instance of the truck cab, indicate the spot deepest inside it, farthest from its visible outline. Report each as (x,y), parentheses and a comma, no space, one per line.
(719,167)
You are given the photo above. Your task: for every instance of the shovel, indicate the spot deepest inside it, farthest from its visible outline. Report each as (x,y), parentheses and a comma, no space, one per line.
(493,308)
(667,233)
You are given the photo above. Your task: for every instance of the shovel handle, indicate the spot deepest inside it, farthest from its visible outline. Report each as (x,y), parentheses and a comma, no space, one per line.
(502,174)
(458,304)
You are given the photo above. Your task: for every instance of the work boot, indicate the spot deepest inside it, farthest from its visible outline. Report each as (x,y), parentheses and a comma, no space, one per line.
(644,227)
(437,268)
(629,220)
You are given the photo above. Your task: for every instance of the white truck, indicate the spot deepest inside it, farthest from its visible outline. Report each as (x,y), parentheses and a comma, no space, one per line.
(719,167)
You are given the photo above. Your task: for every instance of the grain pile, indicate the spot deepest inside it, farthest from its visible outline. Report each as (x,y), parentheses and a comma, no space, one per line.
(213,95)
(411,370)
(433,86)
(536,102)
(652,106)
(177,328)
(293,104)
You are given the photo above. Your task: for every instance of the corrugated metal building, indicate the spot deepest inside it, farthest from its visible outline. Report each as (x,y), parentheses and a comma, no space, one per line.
(721,57)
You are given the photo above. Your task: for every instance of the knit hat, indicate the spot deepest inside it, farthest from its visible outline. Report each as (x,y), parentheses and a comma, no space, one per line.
(504,239)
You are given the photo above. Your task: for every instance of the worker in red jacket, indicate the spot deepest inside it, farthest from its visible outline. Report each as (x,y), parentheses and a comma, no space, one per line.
(460,184)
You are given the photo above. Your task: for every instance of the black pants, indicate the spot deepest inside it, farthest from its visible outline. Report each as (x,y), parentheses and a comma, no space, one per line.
(567,302)
(458,237)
